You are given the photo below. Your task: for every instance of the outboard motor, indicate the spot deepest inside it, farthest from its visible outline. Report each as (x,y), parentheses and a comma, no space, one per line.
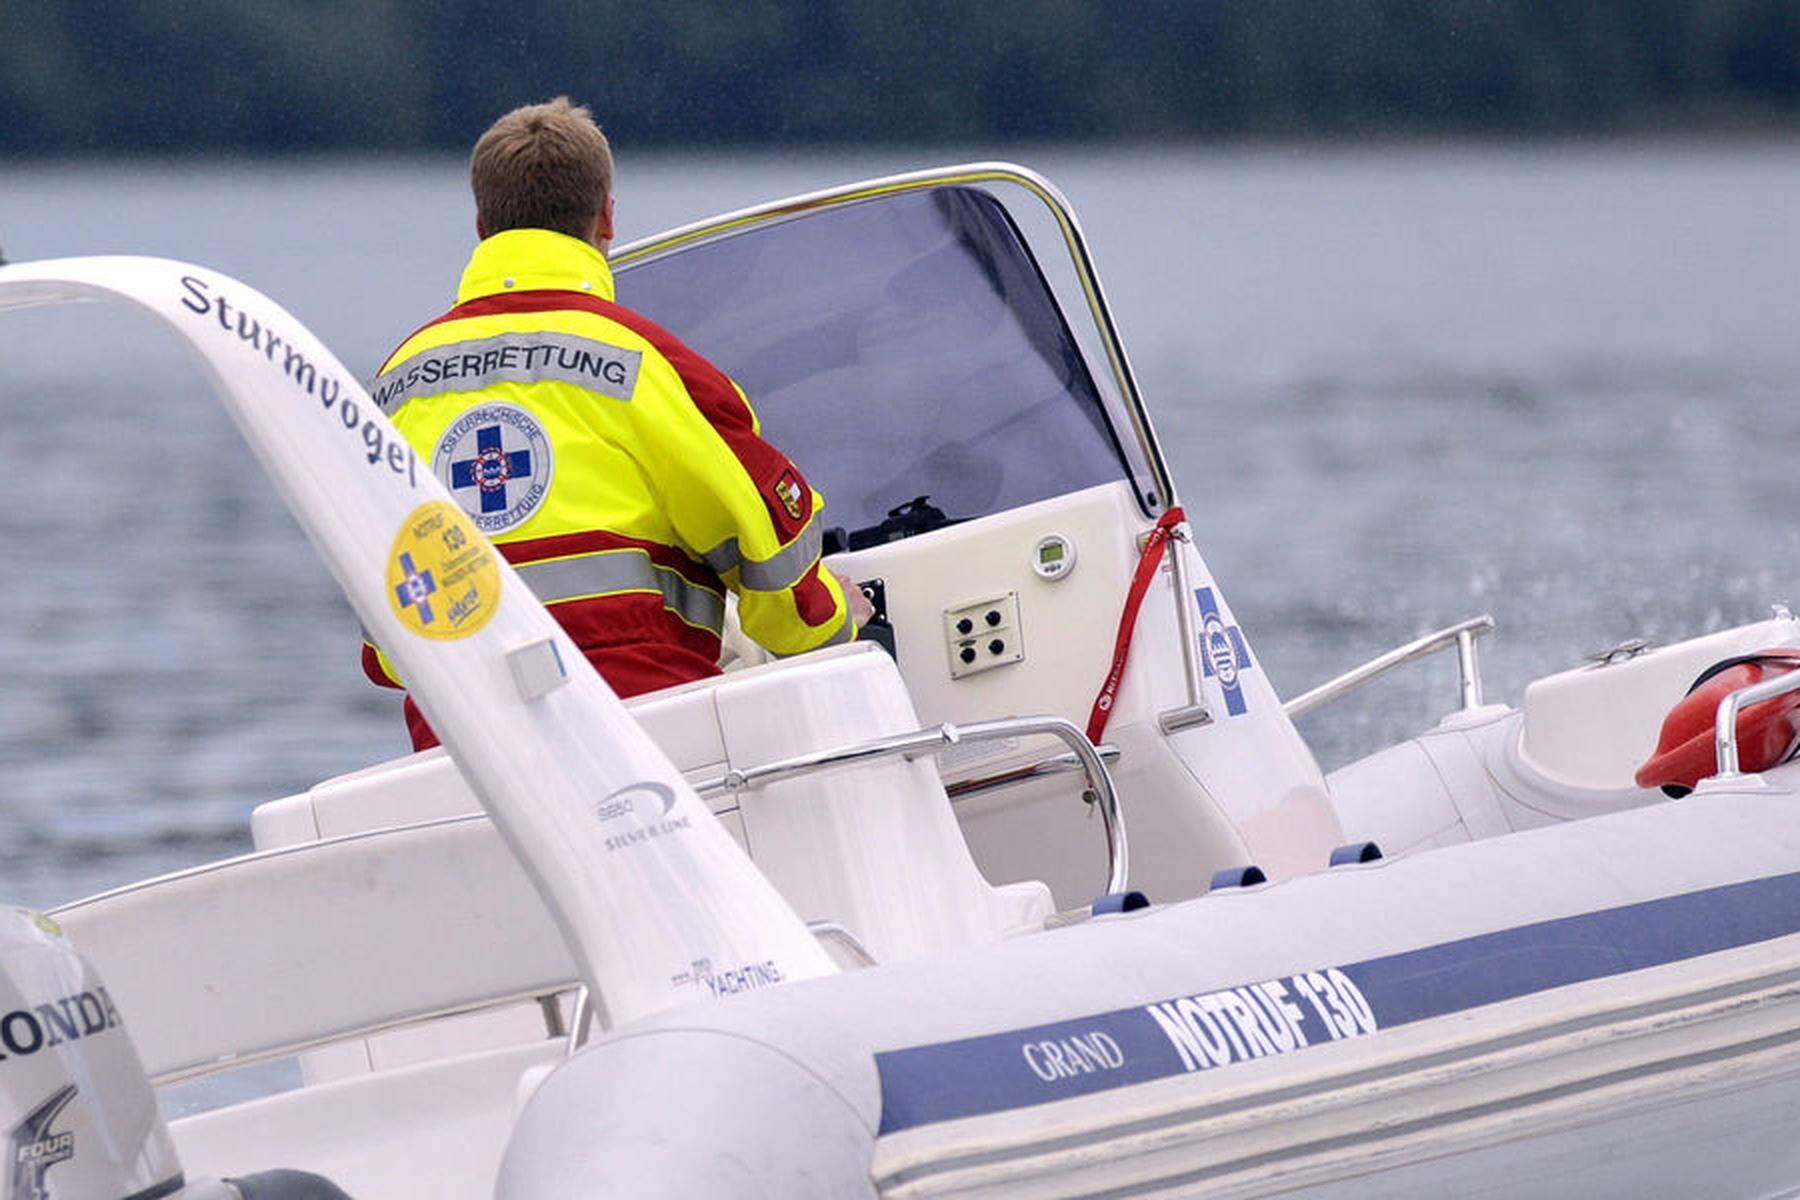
(77,1111)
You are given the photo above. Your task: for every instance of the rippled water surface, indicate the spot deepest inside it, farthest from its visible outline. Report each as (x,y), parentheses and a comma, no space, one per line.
(1398,387)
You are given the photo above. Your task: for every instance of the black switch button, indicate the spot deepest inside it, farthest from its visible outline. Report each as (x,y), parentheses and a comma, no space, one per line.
(993,617)
(996,647)
(968,654)
(965,626)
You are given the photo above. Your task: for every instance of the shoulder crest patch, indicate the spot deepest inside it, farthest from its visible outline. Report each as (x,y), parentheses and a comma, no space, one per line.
(787,489)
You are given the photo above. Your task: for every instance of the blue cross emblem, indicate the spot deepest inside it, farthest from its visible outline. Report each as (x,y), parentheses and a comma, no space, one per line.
(416,588)
(1223,651)
(491,470)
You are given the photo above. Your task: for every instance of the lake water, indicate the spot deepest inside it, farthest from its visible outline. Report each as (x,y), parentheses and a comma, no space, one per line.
(1398,387)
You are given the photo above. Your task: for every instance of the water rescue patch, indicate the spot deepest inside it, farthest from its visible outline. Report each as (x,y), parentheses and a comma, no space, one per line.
(443,578)
(495,459)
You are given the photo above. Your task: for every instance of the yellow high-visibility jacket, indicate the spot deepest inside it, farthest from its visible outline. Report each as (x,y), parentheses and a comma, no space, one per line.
(622,474)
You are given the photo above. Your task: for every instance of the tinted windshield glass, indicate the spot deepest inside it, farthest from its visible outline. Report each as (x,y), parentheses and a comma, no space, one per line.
(895,348)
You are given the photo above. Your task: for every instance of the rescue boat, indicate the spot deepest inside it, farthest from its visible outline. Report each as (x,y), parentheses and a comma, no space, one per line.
(1035,891)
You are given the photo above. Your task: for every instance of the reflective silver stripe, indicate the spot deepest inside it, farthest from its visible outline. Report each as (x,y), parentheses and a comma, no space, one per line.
(845,632)
(777,573)
(510,358)
(609,571)
(724,556)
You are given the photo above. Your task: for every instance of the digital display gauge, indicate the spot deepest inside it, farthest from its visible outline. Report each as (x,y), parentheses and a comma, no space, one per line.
(1053,557)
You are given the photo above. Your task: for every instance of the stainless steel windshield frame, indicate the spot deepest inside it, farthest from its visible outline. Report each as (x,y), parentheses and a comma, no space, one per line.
(730,224)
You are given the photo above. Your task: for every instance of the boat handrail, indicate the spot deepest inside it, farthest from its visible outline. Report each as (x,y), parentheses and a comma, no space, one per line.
(1725,721)
(725,225)
(1462,635)
(1193,712)
(936,739)
(1055,764)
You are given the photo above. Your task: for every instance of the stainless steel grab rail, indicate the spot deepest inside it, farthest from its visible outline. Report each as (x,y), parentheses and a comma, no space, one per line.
(1056,764)
(830,933)
(582,1021)
(1725,722)
(937,739)
(1194,712)
(1462,635)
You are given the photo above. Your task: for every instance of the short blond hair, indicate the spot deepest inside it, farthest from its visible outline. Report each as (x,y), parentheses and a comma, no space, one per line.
(543,166)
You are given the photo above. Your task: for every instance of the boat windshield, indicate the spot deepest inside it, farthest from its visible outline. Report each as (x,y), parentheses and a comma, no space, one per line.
(895,348)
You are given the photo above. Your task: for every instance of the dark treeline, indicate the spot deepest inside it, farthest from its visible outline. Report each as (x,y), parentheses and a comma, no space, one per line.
(160,76)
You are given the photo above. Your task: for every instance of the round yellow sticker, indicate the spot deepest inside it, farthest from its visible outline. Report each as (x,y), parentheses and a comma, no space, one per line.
(443,578)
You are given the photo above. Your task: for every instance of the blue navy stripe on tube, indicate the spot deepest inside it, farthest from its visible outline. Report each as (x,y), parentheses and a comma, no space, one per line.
(922,1085)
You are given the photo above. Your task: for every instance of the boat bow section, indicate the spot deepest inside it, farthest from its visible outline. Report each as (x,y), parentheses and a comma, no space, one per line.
(1435,1019)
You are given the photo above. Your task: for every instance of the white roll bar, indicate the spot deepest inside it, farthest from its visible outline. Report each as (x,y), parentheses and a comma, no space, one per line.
(640,877)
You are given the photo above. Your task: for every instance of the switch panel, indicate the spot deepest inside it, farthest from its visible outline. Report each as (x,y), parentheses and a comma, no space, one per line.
(983,634)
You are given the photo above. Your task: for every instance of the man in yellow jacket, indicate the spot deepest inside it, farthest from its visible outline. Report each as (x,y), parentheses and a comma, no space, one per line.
(623,475)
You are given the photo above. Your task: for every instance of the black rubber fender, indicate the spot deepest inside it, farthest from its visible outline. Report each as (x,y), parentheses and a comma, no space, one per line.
(287,1185)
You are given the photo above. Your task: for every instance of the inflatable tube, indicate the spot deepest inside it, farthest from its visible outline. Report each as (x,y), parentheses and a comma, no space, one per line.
(1426,1010)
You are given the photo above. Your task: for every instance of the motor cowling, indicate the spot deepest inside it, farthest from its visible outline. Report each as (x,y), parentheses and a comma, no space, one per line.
(1768,733)
(77,1112)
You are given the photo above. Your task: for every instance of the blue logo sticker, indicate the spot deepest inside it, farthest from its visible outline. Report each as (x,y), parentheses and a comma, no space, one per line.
(1224,654)
(415,589)
(496,461)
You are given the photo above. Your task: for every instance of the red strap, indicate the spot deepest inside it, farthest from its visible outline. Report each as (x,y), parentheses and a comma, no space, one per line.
(1154,545)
